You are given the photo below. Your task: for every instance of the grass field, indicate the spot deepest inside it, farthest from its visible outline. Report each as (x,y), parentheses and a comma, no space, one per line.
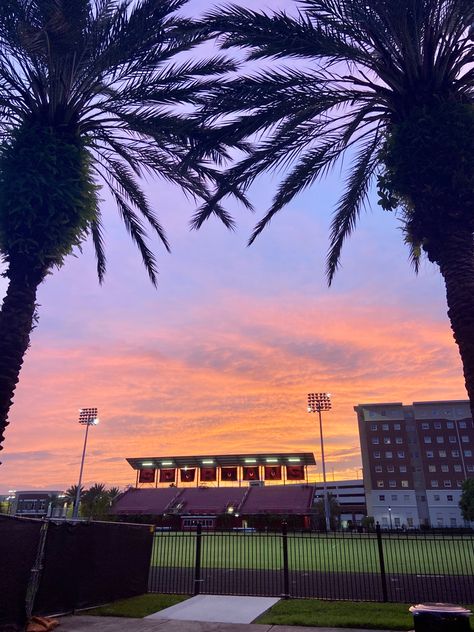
(426,555)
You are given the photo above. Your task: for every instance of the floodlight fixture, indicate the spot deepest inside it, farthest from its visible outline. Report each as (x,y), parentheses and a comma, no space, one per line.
(87,417)
(319,402)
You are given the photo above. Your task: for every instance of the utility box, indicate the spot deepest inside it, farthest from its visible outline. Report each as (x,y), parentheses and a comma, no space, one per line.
(440,617)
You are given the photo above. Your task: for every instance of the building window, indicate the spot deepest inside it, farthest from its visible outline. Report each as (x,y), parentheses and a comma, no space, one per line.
(375,440)
(410,521)
(442,454)
(404,483)
(459,483)
(452,439)
(470,468)
(462,424)
(378,469)
(431,468)
(384,426)
(445,468)
(467,452)
(464,438)
(447,483)
(373,426)
(439,439)
(397,521)
(425,426)
(453,522)
(406,498)
(403,468)
(394,497)
(457,468)
(376,455)
(450,425)
(396,427)
(382,497)
(437,498)
(380,484)
(427,439)
(388,455)
(450,498)
(455,454)
(401,454)
(392,483)
(390,468)
(434,483)
(398,440)
(437,425)
(429,454)
(387,440)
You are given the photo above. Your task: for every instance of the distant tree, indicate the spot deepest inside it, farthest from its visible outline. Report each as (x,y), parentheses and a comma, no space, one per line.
(71,493)
(466,503)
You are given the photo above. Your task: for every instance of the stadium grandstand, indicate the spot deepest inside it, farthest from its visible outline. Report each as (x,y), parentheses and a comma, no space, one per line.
(220,491)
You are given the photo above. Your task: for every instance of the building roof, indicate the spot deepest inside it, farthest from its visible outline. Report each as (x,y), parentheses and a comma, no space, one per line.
(223,460)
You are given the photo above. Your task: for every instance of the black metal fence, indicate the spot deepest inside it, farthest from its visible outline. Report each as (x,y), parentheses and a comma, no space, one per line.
(49,568)
(380,566)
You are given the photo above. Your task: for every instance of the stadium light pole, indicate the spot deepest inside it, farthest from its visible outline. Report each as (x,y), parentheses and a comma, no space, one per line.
(317,403)
(87,417)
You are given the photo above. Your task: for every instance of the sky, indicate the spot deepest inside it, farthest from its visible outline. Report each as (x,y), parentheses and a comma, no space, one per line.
(220,358)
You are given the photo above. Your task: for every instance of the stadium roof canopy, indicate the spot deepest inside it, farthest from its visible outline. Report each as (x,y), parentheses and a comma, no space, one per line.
(223,460)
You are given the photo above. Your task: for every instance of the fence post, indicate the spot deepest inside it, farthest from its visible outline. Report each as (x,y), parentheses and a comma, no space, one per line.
(286,576)
(382,562)
(197,564)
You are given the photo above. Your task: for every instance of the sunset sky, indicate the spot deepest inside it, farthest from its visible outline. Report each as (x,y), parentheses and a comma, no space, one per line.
(221,356)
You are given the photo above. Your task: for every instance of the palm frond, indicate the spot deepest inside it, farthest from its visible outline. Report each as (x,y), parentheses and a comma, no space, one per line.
(353,199)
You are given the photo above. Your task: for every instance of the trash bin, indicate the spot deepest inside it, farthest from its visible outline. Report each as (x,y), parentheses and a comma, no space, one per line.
(440,617)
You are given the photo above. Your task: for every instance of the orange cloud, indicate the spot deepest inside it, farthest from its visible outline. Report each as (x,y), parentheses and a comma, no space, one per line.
(233,383)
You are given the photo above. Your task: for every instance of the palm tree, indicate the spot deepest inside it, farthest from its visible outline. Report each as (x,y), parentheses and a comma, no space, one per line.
(390,85)
(88,95)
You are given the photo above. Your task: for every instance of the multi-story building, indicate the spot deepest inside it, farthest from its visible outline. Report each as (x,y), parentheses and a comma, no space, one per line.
(415,459)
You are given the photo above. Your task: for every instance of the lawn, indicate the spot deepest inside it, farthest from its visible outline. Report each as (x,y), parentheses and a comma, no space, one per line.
(309,612)
(344,553)
(136,607)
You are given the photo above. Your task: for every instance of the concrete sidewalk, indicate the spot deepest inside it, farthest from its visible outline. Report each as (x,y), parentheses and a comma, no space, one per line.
(122,624)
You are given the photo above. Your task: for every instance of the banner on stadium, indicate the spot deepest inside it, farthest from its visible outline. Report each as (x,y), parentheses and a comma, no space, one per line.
(295,472)
(251,473)
(187,475)
(273,472)
(146,476)
(229,474)
(168,476)
(208,474)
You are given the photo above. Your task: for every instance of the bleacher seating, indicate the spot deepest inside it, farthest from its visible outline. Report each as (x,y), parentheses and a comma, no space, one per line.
(248,501)
(278,499)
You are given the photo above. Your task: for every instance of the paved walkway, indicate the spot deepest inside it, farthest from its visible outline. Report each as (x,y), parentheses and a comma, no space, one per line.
(217,608)
(120,624)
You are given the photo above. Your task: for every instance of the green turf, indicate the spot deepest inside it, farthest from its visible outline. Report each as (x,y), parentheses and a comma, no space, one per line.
(339,614)
(431,555)
(136,607)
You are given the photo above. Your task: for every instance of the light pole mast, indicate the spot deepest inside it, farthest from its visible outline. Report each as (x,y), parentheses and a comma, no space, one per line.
(87,417)
(317,402)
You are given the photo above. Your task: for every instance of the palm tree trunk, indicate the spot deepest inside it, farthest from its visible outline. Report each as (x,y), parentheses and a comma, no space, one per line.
(456,262)
(16,322)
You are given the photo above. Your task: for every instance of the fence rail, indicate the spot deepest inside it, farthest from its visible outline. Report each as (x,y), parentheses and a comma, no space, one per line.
(380,566)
